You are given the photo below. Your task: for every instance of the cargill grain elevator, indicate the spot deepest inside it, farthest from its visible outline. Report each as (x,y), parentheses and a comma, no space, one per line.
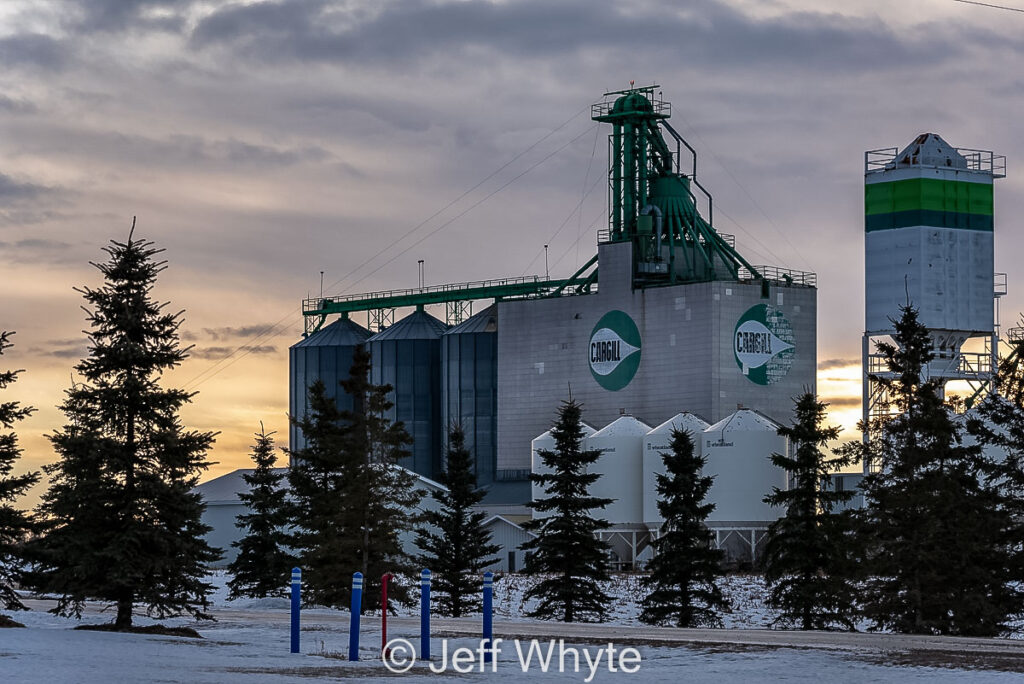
(666,317)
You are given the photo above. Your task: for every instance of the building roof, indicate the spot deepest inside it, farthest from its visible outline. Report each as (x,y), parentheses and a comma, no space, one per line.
(342,332)
(929,149)
(624,426)
(686,421)
(500,519)
(225,490)
(588,430)
(484,322)
(419,325)
(745,420)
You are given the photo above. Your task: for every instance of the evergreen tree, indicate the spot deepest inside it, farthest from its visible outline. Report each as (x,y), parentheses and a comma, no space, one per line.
(352,500)
(566,547)
(936,561)
(1000,424)
(323,483)
(389,507)
(461,548)
(14,523)
(263,565)
(686,566)
(806,556)
(120,523)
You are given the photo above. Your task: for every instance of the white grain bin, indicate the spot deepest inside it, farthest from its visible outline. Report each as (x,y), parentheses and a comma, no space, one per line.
(546,441)
(738,450)
(621,466)
(657,442)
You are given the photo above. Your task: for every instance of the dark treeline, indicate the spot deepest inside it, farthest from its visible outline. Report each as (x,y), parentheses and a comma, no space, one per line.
(937,548)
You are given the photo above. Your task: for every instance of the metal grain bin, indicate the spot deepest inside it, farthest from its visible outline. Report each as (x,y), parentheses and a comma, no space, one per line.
(469,392)
(407,356)
(325,355)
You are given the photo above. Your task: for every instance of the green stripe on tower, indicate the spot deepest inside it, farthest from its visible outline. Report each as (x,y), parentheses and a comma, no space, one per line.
(925,217)
(930,195)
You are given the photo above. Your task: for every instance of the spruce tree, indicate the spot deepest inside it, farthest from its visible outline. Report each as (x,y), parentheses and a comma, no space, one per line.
(936,561)
(566,548)
(323,482)
(264,563)
(806,559)
(461,548)
(15,524)
(352,501)
(120,523)
(999,423)
(686,566)
(389,507)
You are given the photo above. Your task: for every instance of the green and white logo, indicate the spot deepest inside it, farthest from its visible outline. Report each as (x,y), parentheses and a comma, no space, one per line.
(764,344)
(614,350)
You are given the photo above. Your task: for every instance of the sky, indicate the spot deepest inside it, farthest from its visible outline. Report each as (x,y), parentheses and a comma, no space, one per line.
(261,143)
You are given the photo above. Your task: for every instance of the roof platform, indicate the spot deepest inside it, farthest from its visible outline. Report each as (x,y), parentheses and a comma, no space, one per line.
(456,296)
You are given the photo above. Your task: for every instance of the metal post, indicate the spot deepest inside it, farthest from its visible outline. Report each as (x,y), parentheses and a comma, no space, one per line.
(384,613)
(488,615)
(357,605)
(425,615)
(296,605)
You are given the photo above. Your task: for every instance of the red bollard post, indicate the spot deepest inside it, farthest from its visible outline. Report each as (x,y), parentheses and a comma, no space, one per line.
(384,613)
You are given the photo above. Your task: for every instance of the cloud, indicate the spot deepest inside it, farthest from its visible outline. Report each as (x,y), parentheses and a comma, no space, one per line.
(64,349)
(12,190)
(410,31)
(181,150)
(831,364)
(218,353)
(242,332)
(119,15)
(33,50)
(843,402)
(9,104)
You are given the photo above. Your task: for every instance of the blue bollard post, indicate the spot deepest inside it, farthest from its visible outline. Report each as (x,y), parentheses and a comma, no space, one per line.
(357,604)
(296,605)
(488,615)
(425,615)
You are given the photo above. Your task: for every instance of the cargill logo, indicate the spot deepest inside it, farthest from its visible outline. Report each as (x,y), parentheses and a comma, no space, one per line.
(614,350)
(764,344)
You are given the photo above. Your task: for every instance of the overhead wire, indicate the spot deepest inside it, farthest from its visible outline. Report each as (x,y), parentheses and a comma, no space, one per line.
(576,210)
(743,189)
(586,179)
(244,350)
(990,5)
(272,330)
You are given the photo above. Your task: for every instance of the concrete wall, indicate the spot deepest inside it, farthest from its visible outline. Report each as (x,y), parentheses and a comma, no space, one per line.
(687,360)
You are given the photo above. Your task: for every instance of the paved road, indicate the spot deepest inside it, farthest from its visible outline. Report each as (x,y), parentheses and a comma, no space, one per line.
(1008,652)
(665,636)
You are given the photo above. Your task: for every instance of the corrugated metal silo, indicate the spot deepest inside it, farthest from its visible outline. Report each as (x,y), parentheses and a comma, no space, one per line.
(621,466)
(738,450)
(325,355)
(546,442)
(407,356)
(657,442)
(469,391)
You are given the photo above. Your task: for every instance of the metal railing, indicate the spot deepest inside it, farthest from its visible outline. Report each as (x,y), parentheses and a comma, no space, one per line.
(658,105)
(1000,285)
(512,475)
(317,303)
(963,366)
(784,276)
(604,236)
(985,161)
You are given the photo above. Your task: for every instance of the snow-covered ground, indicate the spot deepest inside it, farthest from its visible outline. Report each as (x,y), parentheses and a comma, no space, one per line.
(249,642)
